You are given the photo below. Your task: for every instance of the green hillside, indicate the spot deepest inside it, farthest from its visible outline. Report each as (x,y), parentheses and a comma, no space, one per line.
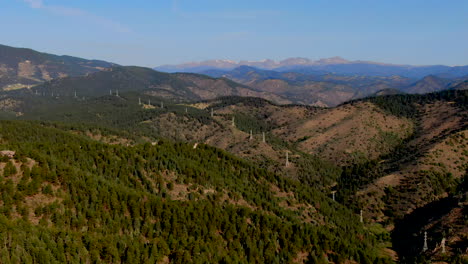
(68,198)
(97,134)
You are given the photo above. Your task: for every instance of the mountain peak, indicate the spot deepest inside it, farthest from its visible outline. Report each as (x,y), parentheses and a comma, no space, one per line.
(333,60)
(295,61)
(267,64)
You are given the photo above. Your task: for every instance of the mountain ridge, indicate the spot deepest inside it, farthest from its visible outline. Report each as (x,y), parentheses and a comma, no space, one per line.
(23,67)
(175,86)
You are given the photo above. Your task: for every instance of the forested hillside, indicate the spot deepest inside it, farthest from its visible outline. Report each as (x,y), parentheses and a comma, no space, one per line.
(390,156)
(68,198)
(227,157)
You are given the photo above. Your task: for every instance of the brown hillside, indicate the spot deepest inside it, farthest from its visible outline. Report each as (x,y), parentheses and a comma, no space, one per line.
(348,133)
(343,135)
(308,93)
(440,155)
(208,88)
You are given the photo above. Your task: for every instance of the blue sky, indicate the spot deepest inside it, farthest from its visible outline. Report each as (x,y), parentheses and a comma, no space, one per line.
(151,33)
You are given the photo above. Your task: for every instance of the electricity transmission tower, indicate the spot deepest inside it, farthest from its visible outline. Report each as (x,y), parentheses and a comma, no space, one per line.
(425,242)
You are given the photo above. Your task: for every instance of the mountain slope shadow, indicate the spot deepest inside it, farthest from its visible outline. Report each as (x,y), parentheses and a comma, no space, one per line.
(408,235)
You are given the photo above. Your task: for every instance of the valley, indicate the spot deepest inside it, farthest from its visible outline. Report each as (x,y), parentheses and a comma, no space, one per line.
(128,164)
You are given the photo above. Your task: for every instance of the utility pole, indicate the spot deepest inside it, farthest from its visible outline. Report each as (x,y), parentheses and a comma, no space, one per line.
(263,137)
(425,248)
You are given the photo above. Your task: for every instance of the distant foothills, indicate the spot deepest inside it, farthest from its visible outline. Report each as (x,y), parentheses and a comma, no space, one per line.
(336,65)
(324,83)
(328,82)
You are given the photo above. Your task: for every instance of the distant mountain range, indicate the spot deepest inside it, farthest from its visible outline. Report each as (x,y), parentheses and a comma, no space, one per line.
(326,82)
(20,67)
(264,64)
(335,65)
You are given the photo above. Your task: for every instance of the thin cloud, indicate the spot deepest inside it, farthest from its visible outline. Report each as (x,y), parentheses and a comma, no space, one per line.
(34,3)
(79,14)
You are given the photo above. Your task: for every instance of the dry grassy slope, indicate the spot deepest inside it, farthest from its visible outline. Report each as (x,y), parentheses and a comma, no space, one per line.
(23,75)
(207,88)
(273,114)
(238,142)
(343,135)
(442,146)
(23,68)
(439,120)
(347,133)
